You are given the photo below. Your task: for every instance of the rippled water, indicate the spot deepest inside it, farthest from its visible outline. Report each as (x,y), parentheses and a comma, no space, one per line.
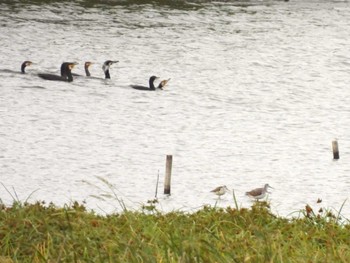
(258,91)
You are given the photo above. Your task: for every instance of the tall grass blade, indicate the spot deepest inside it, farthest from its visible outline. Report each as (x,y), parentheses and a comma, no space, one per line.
(234,198)
(157,186)
(7,190)
(339,212)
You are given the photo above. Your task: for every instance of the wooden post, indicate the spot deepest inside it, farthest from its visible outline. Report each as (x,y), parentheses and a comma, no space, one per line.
(169,163)
(335,150)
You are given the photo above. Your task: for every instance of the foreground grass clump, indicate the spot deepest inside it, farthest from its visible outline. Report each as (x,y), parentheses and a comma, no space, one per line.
(40,233)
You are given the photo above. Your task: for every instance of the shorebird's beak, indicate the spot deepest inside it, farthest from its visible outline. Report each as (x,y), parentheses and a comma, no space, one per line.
(269,187)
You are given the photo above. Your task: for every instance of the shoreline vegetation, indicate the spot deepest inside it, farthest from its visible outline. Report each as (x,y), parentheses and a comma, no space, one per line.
(42,232)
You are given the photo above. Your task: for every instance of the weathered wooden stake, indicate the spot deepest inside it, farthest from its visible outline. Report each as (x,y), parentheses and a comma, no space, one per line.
(335,150)
(169,163)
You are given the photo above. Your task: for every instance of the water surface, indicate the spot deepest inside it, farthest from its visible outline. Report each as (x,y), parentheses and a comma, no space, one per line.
(258,91)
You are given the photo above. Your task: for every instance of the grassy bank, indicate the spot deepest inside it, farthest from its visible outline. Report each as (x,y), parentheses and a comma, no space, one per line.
(46,233)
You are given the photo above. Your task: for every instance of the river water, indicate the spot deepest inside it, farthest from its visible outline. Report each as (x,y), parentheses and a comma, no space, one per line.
(258,92)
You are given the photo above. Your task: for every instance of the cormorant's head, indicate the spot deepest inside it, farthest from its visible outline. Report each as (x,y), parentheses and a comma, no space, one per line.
(88,64)
(107,64)
(153,78)
(67,66)
(27,63)
(71,65)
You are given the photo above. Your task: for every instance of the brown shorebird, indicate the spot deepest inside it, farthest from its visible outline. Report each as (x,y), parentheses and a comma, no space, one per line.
(220,190)
(258,193)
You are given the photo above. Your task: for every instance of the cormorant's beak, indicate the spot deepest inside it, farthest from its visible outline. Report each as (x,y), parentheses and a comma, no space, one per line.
(29,63)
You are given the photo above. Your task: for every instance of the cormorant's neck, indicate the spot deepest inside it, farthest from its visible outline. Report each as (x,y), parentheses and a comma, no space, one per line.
(107,76)
(87,72)
(63,70)
(151,85)
(23,68)
(69,75)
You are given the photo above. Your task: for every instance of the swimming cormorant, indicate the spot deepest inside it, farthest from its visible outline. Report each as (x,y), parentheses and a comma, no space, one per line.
(66,74)
(151,85)
(106,66)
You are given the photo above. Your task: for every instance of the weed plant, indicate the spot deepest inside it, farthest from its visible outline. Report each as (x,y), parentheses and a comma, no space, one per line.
(45,233)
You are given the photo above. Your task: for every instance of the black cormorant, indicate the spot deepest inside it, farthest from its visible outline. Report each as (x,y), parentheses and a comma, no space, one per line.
(151,84)
(106,66)
(66,74)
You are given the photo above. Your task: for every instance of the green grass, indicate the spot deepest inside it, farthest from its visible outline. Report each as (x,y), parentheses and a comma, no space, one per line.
(46,233)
